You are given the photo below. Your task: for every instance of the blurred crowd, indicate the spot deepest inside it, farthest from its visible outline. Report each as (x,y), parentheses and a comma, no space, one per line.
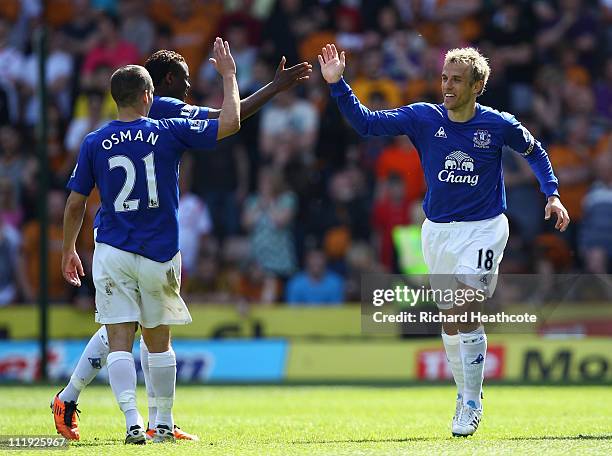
(296,207)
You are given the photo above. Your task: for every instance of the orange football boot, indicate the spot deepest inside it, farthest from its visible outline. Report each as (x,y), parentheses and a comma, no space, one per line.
(65,416)
(179,434)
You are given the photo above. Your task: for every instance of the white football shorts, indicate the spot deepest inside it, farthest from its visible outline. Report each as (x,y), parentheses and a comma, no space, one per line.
(466,253)
(130,287)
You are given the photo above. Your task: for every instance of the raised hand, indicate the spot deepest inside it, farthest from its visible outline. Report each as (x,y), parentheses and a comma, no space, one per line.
(332,65)
(286,78)
(222,58)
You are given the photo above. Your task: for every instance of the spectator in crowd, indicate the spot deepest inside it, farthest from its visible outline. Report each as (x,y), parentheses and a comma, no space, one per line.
(553,255)
(403,54)
(248,14)
(407,243)
(268,217)
(390,210)
(193,25)
(208,284)
(59,70)
(98,82)
(547,105)
(571,161)
(571,22)
(11,61)
(59,162)
(244,54)
(401,158)
(79,127)
(316,285)
(360,259)
(195,224)
(136,27)
(12,159)
(29,261)
(11,213)
(510,31)
(314,30)
(341,220)
(111,49)
(603,92)
(280,29)
(374,80)
(595,237)
(288,129)
(80,32)
(350,34)
(255,286)
(223,184)
(9,248)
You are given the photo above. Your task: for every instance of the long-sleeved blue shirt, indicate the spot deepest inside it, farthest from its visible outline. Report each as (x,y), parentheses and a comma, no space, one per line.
(462,161)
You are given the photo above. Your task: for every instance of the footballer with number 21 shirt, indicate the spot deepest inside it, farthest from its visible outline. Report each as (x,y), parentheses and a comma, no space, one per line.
(134,162)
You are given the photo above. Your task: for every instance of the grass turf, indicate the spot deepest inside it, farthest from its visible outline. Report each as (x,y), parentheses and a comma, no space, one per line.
(335,420)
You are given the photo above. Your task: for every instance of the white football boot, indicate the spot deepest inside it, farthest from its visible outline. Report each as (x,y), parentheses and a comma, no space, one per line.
(135,436)
(467,422)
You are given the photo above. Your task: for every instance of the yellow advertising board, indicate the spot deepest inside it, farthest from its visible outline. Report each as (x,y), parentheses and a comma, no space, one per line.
(510,357)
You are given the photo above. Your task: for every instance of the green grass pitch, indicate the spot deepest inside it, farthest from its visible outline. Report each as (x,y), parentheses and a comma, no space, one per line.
(335,420)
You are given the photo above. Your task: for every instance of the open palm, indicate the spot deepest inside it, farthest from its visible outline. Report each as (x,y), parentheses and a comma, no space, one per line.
(332,64)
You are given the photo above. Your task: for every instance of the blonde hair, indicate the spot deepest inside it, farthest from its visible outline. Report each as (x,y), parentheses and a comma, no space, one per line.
(478,62)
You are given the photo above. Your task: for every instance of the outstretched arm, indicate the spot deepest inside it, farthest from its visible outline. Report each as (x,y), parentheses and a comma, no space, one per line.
(284,79)
(390,122)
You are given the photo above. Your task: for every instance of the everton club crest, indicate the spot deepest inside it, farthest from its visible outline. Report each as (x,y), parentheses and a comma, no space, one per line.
(482,139)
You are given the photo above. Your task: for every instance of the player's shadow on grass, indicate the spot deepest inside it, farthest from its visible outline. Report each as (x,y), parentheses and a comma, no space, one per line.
(564,437)
(95,443)
(399,440)
(432,439)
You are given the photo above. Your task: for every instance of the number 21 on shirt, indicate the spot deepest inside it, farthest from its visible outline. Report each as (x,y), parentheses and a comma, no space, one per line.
(122,203)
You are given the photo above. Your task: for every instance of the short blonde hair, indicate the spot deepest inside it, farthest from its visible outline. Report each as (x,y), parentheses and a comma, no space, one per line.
(478,62)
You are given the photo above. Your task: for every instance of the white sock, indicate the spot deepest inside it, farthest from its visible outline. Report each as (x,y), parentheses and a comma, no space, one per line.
(473,354)
(144,362)
(122,376)
(453,354)
(162,370)
(89,365)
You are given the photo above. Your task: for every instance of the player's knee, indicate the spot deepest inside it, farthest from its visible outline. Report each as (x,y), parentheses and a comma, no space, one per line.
(120,337)
(157,339)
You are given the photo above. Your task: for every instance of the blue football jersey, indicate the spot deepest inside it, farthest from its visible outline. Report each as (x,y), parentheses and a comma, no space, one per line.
(170,108)
(135,166)
(462,161)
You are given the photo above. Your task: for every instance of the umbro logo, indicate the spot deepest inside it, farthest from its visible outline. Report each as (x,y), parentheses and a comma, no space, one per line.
(440,133)
(478,360)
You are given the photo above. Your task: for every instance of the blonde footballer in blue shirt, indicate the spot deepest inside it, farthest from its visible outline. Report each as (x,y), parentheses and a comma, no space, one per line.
(460,145)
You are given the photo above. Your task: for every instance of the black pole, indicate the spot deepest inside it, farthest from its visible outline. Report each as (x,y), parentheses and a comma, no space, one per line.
(43,184)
